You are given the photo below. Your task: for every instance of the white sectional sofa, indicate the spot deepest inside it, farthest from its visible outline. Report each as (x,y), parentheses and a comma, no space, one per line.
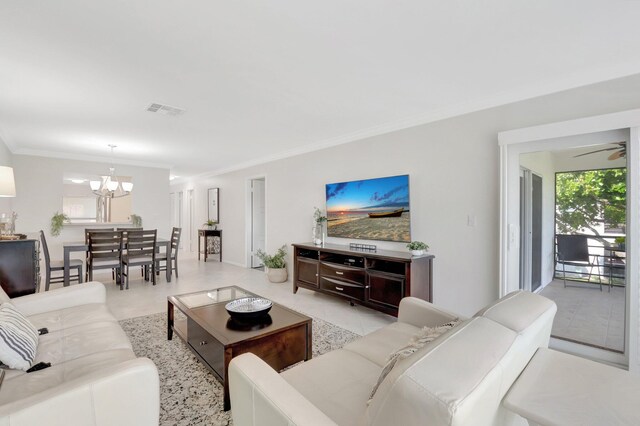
(94,378)
(458,379)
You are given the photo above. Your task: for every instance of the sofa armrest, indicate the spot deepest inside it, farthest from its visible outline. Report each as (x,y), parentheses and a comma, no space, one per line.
(259,395)
(421,313)
(127,393)
(66,297)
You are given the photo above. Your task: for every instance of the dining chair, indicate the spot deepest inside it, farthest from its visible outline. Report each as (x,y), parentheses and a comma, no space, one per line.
(141,251)
(87,231)
(105,252)
(58,266)
(124,236)
(170,258)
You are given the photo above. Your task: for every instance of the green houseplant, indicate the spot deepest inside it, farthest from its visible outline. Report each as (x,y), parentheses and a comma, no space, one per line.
(276,264)
(57,223)
(417,247)
(211,224)
(136,221)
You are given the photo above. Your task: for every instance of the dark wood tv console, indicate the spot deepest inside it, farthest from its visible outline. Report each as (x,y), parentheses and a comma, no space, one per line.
(378,280)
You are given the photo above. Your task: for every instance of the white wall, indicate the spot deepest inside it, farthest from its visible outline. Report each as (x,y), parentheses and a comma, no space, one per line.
(454,170)
(39,191)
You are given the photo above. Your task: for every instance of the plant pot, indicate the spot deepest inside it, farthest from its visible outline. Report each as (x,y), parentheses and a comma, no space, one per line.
(212,227)
(277,275)
(417,252)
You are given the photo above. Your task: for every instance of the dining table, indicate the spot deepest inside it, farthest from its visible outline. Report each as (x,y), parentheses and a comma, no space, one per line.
(71,246)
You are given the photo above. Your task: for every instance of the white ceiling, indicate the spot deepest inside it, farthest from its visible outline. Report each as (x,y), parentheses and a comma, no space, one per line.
(265,79)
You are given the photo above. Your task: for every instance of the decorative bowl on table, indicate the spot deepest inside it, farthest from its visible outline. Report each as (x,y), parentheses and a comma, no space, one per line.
(248,308)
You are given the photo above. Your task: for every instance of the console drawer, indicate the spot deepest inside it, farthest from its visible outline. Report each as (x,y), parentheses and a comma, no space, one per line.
(351,290)
(340,272)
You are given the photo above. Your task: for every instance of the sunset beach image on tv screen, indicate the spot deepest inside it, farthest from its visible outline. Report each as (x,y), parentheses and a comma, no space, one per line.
(371,209)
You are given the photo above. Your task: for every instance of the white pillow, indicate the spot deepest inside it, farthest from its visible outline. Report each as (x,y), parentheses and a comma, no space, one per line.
(424,336)
(4,297)
(18,338)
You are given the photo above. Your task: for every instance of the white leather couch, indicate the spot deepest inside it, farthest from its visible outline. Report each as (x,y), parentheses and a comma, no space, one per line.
(94,378)
(458,379)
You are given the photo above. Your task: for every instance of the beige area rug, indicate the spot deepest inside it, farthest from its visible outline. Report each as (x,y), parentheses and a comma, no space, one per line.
(189,394)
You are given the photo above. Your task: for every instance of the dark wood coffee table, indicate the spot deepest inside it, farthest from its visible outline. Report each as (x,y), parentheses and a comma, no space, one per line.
(281,338)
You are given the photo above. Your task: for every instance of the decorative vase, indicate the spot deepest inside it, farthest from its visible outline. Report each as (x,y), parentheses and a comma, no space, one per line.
(318,234)
(417,252)
(278,275)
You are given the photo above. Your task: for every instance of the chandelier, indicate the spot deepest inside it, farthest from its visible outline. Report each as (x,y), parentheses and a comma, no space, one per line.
(109,186)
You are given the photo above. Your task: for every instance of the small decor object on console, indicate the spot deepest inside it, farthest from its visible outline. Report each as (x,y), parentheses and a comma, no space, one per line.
(276,265)
(211,224)
(417,248)
(248,308)
(318,229)
(136,221)
(363,247)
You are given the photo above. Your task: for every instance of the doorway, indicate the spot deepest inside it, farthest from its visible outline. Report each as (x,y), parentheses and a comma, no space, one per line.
(530,230)
(257,221)
(595,315)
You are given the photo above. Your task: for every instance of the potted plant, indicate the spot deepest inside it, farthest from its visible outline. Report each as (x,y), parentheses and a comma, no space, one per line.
(211,224)
(275,264)
(417,248)
(57,223)
(136,221)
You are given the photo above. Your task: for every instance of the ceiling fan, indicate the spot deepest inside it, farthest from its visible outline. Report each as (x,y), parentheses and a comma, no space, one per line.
(620,149)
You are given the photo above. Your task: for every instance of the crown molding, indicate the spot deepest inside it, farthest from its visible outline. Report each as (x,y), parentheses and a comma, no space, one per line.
(81,157)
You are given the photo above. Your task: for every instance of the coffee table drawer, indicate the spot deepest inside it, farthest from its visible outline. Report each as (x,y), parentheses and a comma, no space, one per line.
(209,349)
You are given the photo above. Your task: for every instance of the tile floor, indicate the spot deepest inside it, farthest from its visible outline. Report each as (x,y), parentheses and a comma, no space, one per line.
(585,314)
(142,298)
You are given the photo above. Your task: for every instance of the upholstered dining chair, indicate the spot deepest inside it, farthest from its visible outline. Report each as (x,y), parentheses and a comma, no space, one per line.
(58,266)
(105,252)
(141,251)
(170,258)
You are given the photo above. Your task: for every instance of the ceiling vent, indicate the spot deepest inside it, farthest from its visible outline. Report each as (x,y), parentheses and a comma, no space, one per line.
(165,109)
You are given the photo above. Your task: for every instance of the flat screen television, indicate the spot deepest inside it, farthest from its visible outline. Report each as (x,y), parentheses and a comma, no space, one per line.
(370,209)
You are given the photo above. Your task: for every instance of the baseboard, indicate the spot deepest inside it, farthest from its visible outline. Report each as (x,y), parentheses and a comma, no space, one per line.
(241,265)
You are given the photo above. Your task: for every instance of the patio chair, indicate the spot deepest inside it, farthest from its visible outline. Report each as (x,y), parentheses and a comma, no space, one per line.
(573,250)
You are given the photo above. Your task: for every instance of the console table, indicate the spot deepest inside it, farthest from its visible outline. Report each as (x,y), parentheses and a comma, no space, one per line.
(206,234)
(19,267)
(378,280)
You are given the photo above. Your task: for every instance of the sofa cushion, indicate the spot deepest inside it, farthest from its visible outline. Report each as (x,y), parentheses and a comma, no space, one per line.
(455,380)
(72,317)
(517,310)
(377,346)
(18,384)
(338,383)
(424,336)
(18,338)
(75,342)
(4,297)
